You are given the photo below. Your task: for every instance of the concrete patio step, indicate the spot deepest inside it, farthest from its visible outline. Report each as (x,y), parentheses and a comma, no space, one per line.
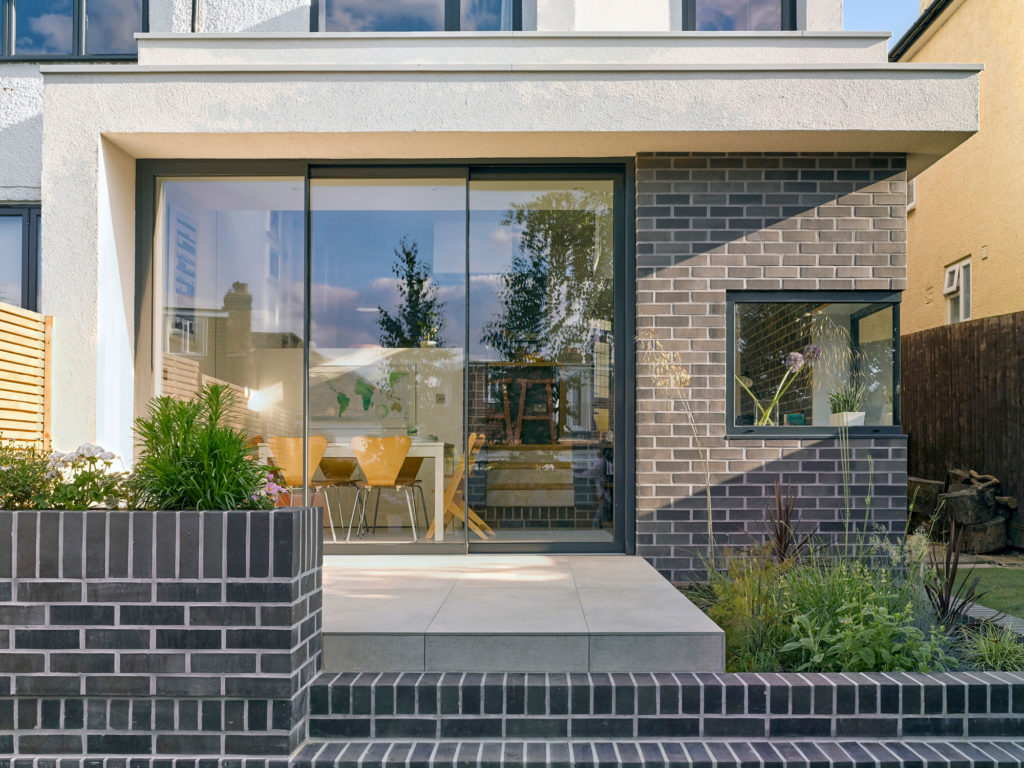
(659,754)
(511,613)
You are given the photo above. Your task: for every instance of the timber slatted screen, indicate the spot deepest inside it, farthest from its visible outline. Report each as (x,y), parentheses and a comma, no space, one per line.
(963,399)
(24,375)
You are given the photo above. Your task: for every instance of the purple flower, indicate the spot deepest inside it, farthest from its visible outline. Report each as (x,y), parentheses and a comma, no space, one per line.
(794,361)
(812,352)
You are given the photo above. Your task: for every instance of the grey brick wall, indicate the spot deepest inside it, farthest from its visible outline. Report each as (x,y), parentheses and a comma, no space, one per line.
(158,633)
(708,224)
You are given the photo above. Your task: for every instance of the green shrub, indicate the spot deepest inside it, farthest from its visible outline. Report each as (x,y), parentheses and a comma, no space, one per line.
(23,476)
(994,648)
(746,605)
(191,459)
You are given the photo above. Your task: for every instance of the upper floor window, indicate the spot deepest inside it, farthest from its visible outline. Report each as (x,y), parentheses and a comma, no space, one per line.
(421,15)
(957,288)
(19,255)
(739,15)
(40,29)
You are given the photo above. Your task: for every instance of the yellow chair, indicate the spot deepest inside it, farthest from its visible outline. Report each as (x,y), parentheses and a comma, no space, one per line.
(380,459)
(455,505)
(409,475)
(287,455)
(337,472)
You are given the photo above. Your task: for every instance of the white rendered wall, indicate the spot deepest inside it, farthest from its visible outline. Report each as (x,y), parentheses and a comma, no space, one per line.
(21,130)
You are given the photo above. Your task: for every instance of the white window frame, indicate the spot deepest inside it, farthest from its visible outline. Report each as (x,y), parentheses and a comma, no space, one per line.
(957,291)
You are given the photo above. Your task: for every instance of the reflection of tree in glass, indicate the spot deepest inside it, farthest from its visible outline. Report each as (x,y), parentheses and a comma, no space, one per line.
(559,280)
(420,313)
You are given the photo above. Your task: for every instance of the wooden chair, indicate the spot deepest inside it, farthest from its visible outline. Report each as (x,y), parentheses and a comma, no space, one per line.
(408,475)
(287,453)
(380,459)
(337,472)
(455,505)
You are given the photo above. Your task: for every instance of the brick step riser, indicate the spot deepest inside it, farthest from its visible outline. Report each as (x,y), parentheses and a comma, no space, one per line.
(659,754)
(550,706)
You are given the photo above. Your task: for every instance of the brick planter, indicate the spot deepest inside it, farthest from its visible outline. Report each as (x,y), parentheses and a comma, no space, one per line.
(158,633)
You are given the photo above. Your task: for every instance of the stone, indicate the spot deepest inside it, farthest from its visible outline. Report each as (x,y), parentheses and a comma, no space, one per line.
(984,537)
(969,506)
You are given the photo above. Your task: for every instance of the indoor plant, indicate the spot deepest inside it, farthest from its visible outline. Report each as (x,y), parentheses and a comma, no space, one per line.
(845,402)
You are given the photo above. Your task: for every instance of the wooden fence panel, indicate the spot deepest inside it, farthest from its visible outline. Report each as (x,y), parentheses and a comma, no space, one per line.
(25,353)
(962,399)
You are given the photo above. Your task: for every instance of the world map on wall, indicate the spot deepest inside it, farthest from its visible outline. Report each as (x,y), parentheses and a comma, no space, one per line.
(380,397)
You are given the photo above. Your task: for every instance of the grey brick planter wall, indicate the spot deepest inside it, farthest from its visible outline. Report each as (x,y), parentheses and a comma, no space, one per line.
(711,223)
(142,633)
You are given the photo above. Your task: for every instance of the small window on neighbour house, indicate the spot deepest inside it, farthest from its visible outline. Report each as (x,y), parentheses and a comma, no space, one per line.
(802,361)
(957,289)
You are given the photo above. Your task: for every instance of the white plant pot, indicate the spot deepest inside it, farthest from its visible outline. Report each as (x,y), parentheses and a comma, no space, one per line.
(847,419)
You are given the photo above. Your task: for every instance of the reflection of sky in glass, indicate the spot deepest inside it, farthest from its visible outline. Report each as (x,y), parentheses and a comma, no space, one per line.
(739,15)
(385,16)
(111,25)
(486,15)
(10,260)
(43,27)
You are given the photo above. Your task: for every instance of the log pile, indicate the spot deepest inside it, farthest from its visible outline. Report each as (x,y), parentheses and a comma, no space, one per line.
(990,520)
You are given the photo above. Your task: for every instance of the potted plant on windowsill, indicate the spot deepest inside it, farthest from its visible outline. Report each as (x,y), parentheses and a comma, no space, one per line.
(845,403)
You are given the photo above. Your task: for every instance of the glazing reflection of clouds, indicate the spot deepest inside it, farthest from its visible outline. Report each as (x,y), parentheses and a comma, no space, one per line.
(43,27)
(739,15)
(392,16)
(111,25)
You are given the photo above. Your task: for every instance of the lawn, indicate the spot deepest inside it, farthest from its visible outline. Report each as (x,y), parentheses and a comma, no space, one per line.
(1004,588)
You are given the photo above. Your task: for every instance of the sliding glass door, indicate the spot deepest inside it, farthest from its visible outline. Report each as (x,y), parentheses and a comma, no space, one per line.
(463,316)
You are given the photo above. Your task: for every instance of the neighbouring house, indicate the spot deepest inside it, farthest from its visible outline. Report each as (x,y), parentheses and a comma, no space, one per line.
(965,232)
(614,252)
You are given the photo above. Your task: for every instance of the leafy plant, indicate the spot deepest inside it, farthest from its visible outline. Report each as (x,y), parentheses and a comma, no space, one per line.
(865,637)
(784,543)
(191,459)
(992,647)
(847,398)
(951,597)
(23,475)
(83,479)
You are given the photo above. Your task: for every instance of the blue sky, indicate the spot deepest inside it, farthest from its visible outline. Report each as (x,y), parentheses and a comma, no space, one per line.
(894,16)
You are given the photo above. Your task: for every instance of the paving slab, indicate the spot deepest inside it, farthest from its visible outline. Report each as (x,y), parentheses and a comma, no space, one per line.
(511,613)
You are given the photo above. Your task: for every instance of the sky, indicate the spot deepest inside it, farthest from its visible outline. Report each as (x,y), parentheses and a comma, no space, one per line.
(894,16)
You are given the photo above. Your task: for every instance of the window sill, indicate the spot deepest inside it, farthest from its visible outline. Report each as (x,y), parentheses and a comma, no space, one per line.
(811,433)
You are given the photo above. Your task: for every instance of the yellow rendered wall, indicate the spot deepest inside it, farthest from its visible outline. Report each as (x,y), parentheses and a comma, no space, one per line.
(972,201)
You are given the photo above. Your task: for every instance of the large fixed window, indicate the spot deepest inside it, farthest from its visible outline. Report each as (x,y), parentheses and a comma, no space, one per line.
(420,15)
(802,362)
(476,309)
(739,15)
(19,255)
(46,29)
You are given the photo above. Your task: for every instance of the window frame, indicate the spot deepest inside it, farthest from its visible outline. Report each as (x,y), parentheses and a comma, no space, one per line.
(452,18)
(30,219)
(959,289)
(689,8)
(8,50)
(873,298)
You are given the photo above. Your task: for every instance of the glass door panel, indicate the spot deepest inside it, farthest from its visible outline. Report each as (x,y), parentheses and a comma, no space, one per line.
(387,334)
(541,383)
(229,256)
